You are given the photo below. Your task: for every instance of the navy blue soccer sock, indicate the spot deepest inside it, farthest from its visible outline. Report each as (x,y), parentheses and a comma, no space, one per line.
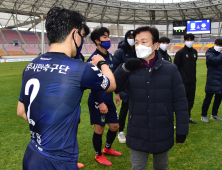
(110,137)
(97,143)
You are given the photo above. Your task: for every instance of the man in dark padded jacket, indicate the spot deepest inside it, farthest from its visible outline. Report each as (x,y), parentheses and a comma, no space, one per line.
(126,50)
(214,83)
(155,91)
(186,59)
(164,44)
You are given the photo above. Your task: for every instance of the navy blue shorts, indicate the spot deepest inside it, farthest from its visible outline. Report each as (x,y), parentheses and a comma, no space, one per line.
(101,119)
(35,161)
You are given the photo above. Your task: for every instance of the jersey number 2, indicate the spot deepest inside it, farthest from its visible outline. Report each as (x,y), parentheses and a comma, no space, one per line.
(36,86)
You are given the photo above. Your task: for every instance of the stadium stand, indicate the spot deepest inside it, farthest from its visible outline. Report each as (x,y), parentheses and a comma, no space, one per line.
(2,41)
(177,47)
(13,50)
(197,47)
(90,48)
(12,35)
(30,37)
(207,46)
(33,46)
(31,49)
(2,53)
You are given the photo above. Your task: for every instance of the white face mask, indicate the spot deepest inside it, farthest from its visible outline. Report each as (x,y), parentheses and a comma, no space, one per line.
(217,48)
(189,44)
(143,51)
(164,47)
(131,42)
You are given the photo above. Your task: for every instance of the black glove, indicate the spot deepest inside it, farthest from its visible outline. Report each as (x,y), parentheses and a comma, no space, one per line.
(180,138)
(132,64)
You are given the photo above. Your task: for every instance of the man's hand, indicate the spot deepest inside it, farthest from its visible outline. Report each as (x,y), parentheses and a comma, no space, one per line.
(132,64)
(117,98)
(96,59)
(180,138)
(103,108)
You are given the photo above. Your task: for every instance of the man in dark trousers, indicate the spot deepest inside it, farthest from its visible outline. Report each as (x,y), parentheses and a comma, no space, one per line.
(101,106)
(155,91)
(214,83)
(164,44)
(186,60)
(126,50)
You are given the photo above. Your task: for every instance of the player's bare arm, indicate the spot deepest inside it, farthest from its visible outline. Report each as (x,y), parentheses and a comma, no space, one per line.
(21,111)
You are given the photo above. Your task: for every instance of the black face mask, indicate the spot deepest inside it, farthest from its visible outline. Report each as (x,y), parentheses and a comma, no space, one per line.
(78,49)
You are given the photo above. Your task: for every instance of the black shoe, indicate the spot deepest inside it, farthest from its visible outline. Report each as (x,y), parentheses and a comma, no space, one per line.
(192,121)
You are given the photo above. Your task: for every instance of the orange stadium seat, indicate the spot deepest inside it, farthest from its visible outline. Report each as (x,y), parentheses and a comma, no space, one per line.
(2,53)
(177,48)
(207,46)
(197,47)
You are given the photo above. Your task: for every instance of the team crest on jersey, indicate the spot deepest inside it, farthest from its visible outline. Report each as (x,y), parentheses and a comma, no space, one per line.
(187,55)
(194,55)
(103,118)
(104,83)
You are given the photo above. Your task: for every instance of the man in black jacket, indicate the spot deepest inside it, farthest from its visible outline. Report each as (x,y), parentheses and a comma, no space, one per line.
(164,44)
(186,59)
(214,81)
(126,50)
(155,91)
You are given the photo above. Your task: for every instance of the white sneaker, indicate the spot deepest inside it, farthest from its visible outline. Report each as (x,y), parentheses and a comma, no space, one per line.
(121,137)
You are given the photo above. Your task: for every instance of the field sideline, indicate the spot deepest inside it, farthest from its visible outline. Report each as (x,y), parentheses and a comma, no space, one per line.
(201,151)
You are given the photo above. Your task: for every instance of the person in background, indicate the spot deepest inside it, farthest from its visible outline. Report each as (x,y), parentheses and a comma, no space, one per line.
(214,83)
(126,50)
(155,91)
(164,44)
(51,92)
(84,32)
(101,106)
(186,59)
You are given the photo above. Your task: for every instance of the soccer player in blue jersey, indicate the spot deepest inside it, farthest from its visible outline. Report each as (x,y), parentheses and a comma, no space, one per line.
(101,106)
(84,32)
(52,88)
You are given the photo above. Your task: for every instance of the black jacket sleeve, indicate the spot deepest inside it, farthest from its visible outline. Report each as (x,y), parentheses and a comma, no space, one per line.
(180,105)
(121,79)
(178,59)
(117,58)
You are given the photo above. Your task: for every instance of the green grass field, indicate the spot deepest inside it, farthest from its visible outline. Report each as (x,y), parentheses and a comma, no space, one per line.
(201,151)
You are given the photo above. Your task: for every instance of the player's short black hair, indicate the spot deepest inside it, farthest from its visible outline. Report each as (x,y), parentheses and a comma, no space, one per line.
(164,40)
(60,22)
(153,30)
(218,42)
(97,33)
(86,29)
(188,36)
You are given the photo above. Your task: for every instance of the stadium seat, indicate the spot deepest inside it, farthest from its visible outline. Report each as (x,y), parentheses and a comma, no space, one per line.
(2,53)
(12,35)
(197,47)
(31,49)
(13,50)
(207,46)
(30,37)
(2,41)
(177,47)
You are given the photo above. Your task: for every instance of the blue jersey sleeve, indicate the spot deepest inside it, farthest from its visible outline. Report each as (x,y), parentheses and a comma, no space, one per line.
(21,96)
(94,79)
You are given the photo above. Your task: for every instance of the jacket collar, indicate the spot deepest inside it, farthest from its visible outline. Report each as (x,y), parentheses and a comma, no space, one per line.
(159,61)
(185,47)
